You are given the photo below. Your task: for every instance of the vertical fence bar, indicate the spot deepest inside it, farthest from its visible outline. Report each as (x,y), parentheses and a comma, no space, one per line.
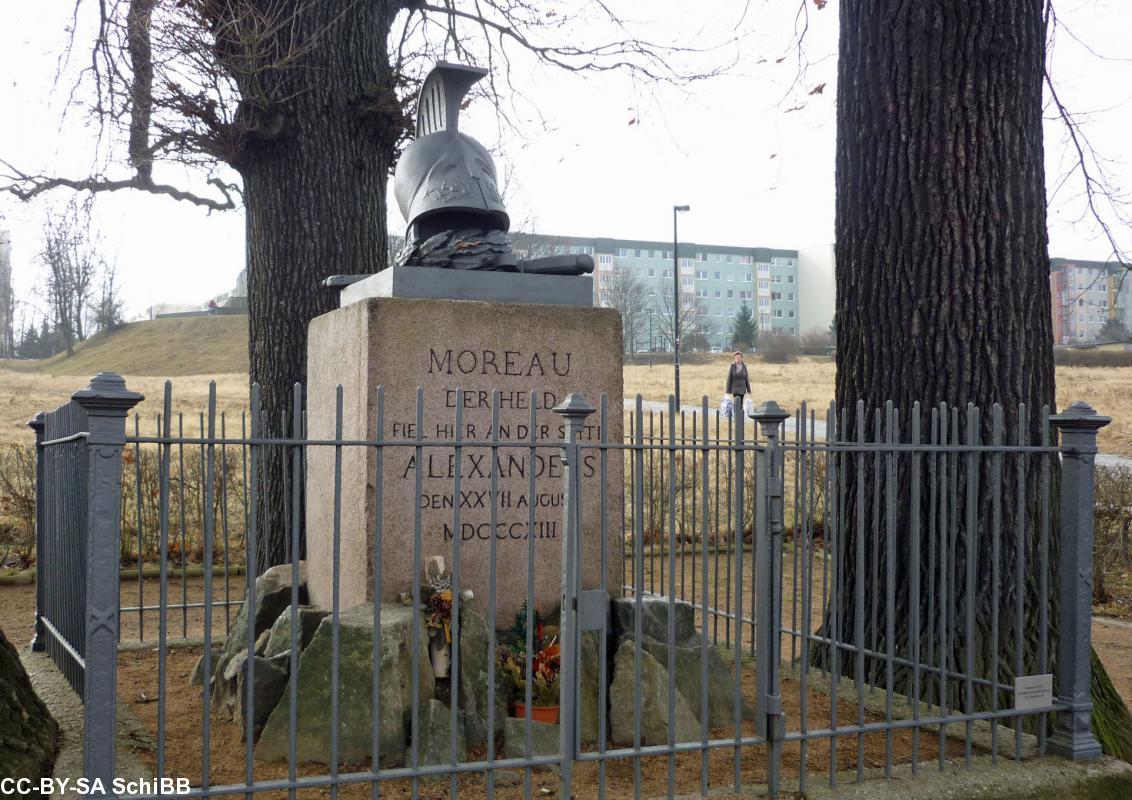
(1073,734)
(163,561)
(293,658)
(454,573)
(970,549)
(138,479)
(873,547)
(106,402)
(256,467)
(933,517)
(738,503)
(996,567)
(805,438)
(716,537)
(638,589)
(224,523)
(493,547)
(670,635)
(859,589)
(1019,567)
(836,463)
(184,524)
(530,610)
(39,640)
(891,437)
(704,732)
(943,583)
(603,568)
(914,566)
(416,655)
(1043,567)
(575,410)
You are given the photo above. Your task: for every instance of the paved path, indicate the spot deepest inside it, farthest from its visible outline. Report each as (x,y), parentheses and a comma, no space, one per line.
(818,432)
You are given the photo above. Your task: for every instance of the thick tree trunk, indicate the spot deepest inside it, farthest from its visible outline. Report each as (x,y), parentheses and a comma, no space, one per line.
(943,295)
(314,166)
(29,735)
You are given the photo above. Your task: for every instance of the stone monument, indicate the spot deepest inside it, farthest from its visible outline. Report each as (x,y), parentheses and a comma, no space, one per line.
(457,318)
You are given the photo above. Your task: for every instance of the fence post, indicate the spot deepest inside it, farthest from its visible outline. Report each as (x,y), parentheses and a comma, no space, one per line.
(768,527)
(106,402)
(39,642)
(1073,733)
(574,409)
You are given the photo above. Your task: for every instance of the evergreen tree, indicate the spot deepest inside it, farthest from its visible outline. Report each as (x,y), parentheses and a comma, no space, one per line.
(745,334)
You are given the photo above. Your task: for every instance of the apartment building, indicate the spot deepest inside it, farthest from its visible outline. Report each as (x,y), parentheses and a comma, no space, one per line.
(715,280)
(1085,295)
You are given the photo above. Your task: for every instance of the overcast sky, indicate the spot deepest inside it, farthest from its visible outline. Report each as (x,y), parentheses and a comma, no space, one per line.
(753,157)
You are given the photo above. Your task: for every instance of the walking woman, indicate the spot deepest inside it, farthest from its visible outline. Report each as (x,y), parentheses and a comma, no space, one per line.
(738,384)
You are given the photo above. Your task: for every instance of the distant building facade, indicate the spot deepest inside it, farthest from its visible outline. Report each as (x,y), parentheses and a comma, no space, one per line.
(720,277)
(817,288)
(1085,295)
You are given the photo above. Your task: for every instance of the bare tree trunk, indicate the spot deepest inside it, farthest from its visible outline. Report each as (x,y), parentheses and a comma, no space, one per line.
(314,182)
(943,275)
(29,735)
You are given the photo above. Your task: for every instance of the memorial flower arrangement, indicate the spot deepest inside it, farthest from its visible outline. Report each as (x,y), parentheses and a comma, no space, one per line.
(439,617)
(546,665)
(436,599)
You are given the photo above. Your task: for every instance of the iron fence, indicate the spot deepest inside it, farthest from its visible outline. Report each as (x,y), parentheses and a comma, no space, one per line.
(880,579)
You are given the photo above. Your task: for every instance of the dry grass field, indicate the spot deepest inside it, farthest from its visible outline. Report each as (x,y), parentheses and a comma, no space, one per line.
(24,392)
(1109,390)
(193,350)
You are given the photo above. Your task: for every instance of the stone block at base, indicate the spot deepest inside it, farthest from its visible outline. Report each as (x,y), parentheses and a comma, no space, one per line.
(355,690)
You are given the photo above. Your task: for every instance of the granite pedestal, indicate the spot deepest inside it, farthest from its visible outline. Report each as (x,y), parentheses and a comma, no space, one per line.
(443,346)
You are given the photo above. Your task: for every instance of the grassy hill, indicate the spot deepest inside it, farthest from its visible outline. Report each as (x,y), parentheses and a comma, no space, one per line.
(159,347)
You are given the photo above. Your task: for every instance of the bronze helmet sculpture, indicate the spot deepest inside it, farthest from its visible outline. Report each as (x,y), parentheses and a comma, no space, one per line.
(444,171)
(445,186)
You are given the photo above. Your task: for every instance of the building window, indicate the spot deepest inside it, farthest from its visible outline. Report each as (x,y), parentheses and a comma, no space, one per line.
(730,294)
(789,278)
(790,314)
(790,296)
(622,252)
(687,282)
(668,273)
(747,277)
(701,274)
(717,294)
(764,286)
(717,275)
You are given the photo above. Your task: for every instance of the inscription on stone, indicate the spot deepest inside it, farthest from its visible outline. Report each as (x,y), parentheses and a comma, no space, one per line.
(440,471)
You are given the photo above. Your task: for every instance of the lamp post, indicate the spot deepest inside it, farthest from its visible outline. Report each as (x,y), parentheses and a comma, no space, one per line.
(676,301)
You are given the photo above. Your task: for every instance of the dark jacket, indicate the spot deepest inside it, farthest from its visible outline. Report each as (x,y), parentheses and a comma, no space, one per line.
(737,380)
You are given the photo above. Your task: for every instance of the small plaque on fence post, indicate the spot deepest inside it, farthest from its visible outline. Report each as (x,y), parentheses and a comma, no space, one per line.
(1033,691)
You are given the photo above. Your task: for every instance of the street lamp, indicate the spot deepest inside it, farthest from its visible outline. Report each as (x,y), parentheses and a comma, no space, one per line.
(676,301)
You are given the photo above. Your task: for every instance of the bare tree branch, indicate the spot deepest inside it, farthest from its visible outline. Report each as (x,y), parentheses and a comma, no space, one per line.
(25,187)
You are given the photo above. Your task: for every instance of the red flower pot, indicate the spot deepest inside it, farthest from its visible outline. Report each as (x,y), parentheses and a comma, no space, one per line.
(548,714)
